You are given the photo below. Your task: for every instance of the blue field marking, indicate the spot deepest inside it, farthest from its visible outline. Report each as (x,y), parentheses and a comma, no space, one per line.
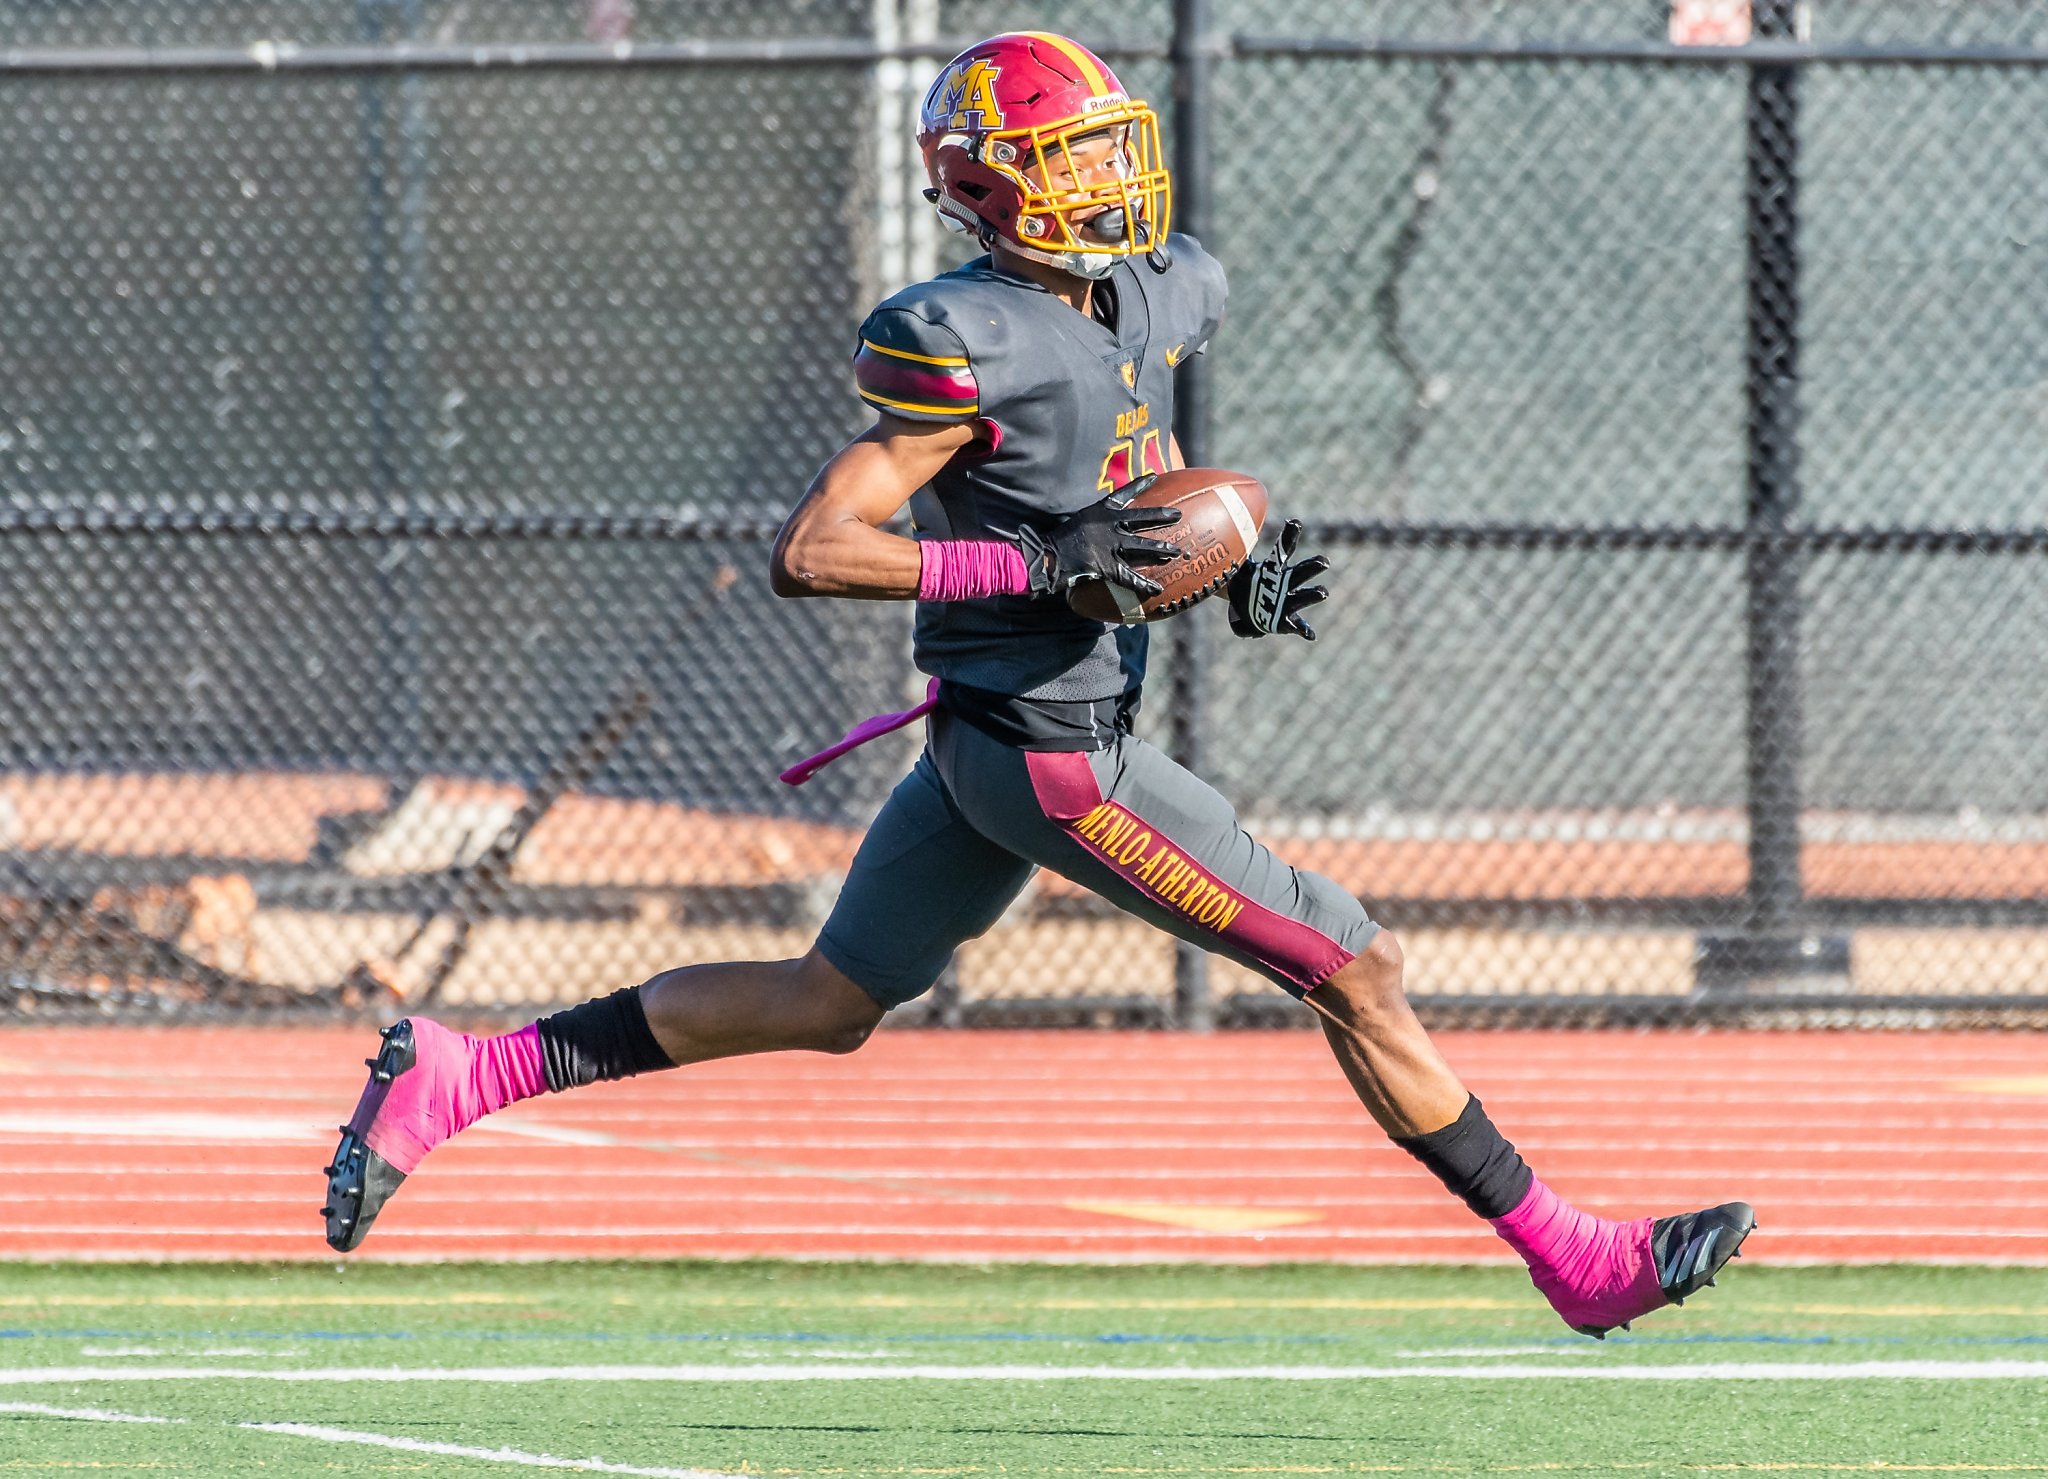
(753,1337)
(979,1338)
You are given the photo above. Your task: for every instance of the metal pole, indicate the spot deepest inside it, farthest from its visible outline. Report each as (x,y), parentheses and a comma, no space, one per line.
(1193,173)
(410,576)
(396,331)
(398,757)
(1773,563)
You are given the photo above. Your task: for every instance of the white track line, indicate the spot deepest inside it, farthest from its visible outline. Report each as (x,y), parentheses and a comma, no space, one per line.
(449,1250)
(1426,1199)
(1990,1370)
(1148,1232)
(489,1455)
(1154,1139)
(84,1414)
(483,1162)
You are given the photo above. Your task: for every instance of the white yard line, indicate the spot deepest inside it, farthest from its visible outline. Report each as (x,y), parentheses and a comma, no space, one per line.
(379,1440)
(1468,1352)
(1990,1370)
(488,1455)
(84,1414)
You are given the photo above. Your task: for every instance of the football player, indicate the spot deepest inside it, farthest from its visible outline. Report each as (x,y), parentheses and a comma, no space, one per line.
(1020,401)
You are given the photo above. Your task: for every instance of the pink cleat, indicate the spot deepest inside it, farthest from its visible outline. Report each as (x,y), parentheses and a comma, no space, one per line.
(1600,1275)
(426,1083)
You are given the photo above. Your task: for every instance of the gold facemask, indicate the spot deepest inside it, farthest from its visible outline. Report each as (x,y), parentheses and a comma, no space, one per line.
(1083,187)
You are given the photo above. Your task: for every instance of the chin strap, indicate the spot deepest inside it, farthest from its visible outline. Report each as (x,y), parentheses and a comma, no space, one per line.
(1078,264)
(1158,256)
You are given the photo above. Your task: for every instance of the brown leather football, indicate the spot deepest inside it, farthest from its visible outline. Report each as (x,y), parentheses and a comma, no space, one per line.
(1220,516)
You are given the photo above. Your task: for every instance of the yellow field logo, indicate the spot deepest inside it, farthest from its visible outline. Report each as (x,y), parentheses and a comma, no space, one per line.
(966,94)
(1130,369)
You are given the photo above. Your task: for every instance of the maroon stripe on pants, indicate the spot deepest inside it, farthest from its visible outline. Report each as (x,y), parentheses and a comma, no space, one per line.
(1151,862)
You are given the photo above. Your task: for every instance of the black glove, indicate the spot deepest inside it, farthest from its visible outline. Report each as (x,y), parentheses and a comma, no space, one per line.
(1267,596)
(1098,543)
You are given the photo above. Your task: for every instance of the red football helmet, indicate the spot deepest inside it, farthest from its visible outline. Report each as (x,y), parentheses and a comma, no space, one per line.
(1030,139)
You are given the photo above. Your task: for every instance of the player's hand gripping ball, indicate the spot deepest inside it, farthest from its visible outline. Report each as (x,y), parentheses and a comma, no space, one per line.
(1219,518)
(1101,542)
(1269,595)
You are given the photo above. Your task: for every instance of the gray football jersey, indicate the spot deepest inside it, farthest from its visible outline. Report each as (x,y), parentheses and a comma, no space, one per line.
(1073,409)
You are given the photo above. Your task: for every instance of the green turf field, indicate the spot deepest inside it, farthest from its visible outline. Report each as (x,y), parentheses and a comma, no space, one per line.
(867,1370)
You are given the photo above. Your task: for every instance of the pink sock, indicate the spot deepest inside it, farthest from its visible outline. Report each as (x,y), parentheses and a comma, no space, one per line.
(508,1068)
(1593,1271)
(455,1081)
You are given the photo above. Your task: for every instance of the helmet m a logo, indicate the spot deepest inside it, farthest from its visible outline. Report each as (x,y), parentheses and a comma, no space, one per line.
(966,95)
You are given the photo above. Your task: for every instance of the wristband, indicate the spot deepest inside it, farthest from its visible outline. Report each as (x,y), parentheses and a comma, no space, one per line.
(966,569)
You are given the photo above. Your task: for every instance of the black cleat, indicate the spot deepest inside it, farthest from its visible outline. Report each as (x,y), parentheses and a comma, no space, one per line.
(1690,1249)
(359,1181)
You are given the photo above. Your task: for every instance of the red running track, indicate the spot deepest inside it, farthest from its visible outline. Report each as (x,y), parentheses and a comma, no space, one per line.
(208,1143)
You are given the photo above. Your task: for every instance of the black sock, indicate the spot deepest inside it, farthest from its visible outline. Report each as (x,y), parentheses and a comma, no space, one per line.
(605,1038)
(1475,1161)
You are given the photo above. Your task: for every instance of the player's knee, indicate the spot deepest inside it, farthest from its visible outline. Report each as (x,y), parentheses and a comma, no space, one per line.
(1370,984)
(841,1016)
(848,1033)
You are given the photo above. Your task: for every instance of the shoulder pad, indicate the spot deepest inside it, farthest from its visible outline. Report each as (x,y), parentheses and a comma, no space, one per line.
(910,366)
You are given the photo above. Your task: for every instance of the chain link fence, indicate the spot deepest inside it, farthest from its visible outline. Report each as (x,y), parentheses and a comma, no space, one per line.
(396,402)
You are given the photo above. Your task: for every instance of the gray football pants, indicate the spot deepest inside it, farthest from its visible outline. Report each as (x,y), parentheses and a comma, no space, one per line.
(961,834)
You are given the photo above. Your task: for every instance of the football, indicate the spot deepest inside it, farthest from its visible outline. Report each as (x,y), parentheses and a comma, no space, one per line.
(1220,516)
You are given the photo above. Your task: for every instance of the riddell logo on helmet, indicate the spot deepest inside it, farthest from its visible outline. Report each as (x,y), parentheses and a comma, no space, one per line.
(966,95)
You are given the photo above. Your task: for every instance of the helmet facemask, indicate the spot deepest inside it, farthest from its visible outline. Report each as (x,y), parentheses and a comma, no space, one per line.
(1090,191)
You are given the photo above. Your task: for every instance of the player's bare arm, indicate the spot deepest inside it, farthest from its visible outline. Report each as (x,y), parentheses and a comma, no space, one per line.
(834,542)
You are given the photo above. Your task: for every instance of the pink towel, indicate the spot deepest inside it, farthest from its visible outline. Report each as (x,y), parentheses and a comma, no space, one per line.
(859,735)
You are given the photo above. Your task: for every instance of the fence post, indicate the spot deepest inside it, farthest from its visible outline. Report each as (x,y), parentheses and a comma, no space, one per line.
(1193,54)
(393,328)
(1766,946)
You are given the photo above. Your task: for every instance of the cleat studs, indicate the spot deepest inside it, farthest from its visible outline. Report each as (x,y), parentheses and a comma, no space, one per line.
(383,1075)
